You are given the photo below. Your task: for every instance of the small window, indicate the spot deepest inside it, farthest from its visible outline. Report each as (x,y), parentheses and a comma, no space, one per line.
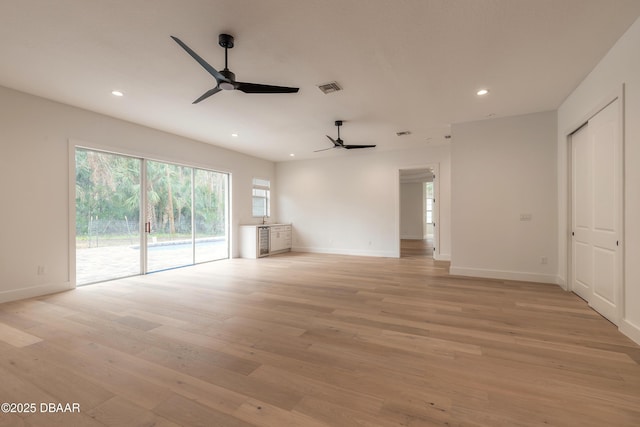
(261,197)
(429,202)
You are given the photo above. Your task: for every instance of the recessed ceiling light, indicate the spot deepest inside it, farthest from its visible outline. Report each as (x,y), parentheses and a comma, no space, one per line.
(235,135)
(482,92)
(117,93)
(292,155)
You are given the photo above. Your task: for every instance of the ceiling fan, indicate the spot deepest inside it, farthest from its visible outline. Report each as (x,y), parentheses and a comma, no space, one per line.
(339,143)
(225,79)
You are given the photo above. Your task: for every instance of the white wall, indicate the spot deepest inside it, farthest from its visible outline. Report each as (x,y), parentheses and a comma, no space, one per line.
(620,66)
(503,168)
(412,210)
(34,171)
(349,203)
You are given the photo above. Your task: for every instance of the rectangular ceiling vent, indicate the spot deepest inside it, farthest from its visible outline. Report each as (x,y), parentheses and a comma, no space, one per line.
(403,133)
(329,87)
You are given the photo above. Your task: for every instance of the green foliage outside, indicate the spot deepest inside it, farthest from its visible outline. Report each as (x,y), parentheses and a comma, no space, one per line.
(108,200)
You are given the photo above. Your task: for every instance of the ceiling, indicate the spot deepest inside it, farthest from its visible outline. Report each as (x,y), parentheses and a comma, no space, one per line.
(404,65)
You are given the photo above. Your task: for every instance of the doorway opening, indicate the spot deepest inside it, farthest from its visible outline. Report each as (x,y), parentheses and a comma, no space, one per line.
(418,213)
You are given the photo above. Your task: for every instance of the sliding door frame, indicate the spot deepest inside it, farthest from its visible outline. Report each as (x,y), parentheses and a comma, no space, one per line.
(566,223)
(74,144)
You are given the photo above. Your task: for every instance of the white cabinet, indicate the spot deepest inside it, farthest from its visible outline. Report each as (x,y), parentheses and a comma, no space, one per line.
(263,240)
(280,238)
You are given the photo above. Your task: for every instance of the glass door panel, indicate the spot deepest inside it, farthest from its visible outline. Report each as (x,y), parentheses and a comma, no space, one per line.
(210,215)
(168,216)
(107,216)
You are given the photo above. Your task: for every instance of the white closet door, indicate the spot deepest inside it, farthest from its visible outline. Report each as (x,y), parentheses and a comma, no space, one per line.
(582,192)
(596,212)
(603,129)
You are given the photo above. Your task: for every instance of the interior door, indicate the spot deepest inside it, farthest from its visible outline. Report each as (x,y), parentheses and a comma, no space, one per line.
(596,212)
(606,193)
(582,194)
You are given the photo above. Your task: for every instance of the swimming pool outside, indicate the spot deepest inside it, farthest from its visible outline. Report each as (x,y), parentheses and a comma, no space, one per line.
(111,262)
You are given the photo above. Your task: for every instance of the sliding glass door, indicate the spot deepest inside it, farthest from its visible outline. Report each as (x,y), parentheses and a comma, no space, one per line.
(184,220)
(168,214)
(107,216)
(211,225)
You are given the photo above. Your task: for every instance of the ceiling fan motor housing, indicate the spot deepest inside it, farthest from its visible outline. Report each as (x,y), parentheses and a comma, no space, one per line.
(225,40)
(229,76)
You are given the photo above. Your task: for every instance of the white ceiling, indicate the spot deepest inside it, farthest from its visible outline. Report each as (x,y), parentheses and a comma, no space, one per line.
(404,64)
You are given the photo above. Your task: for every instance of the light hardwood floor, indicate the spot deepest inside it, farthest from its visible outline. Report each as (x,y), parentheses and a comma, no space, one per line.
(317,340)
(413,248)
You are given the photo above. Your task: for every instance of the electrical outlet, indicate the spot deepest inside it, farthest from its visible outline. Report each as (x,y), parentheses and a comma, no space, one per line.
(544,260)
(525,217)
(41,270)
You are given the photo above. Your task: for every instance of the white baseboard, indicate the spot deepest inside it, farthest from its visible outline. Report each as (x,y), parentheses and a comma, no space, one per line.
(502,275)
(34,291)
(337,251)
(630,330)
(381,254)
(560,281)
(442,257)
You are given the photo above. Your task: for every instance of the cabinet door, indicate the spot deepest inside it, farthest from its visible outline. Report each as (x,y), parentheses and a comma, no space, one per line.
(276,239)
(288,237)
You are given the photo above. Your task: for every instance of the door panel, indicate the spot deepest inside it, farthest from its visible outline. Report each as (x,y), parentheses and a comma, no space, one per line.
(211,231)
(107,216)
(604,270)
(596,190)
(582,270)
(169,230)
(606,146)
(604,183)
(581,192)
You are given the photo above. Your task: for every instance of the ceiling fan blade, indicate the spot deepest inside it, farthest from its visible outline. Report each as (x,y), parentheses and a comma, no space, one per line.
(207,94)
(219,77)
(349,147)
(259,88)
(324,149)
(335,143)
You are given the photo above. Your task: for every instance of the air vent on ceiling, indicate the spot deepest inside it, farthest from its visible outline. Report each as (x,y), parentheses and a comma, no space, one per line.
(329,87)
(403,133)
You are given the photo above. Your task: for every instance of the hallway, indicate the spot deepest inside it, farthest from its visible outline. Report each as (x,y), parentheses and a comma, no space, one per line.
(413,248)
